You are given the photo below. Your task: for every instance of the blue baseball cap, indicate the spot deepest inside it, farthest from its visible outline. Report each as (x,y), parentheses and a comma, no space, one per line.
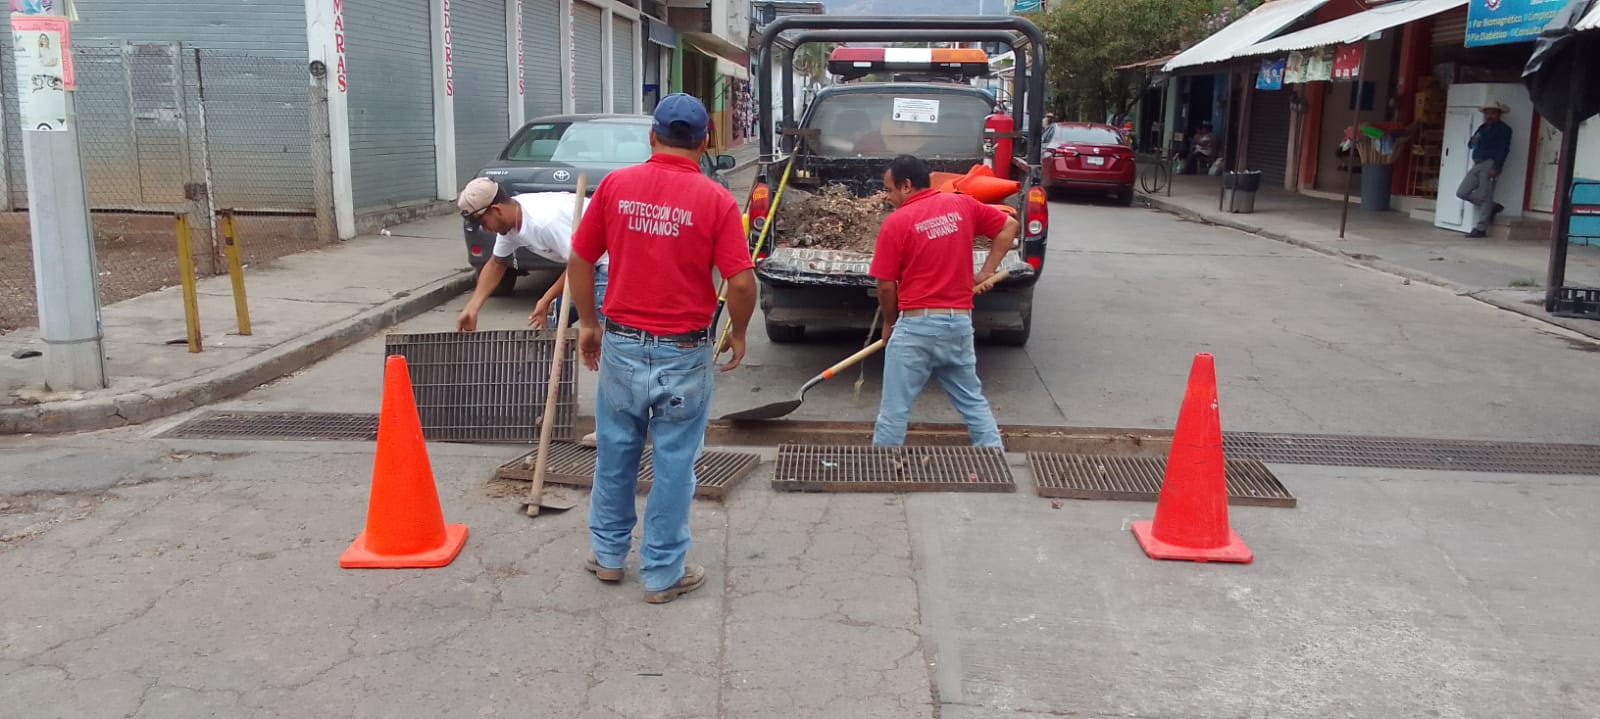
(676,108)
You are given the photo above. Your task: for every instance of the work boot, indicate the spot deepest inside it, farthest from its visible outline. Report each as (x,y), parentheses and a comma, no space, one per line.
(693,576)
(1477,233)
(604,574)
(589,440)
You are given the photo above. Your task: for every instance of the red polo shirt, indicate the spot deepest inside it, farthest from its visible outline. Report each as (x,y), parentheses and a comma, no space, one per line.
(665,226)
(926,246)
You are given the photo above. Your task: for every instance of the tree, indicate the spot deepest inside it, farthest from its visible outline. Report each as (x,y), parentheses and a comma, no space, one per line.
(1086,40)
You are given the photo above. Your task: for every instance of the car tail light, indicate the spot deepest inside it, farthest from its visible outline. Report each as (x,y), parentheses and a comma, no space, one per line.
(1038,212)
(476,250)
(1035,261)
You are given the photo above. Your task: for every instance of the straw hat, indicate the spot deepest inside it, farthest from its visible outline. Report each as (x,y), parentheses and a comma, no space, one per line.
(1499,107)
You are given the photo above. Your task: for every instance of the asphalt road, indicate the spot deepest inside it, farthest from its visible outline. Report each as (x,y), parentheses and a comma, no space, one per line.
(147,577)
(1303,343)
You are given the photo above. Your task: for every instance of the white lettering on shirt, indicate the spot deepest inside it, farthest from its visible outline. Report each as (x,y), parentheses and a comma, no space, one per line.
(657,220)
(944,225)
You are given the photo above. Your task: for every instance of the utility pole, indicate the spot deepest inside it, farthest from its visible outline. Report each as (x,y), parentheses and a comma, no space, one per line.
(64,268)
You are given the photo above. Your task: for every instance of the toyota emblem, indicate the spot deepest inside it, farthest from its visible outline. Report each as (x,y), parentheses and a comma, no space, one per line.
(562,176)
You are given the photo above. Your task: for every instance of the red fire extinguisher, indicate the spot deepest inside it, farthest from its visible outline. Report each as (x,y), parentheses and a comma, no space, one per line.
(997,143)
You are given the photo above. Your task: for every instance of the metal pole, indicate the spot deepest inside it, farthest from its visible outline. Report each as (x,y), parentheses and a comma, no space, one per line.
(64,268)
(1355,119)
(1556,275)
(208,204)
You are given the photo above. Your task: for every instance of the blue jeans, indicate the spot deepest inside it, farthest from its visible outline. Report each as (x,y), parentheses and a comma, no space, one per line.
(600,278)
(663,390)
(940,347)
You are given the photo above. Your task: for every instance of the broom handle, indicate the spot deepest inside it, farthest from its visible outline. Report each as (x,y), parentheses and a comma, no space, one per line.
(552,392)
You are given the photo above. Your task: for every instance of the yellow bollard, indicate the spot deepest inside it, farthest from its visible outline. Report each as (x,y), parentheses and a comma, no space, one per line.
(241,307)
(191,300)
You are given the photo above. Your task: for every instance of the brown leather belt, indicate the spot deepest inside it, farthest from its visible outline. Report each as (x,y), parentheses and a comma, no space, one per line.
(934,312)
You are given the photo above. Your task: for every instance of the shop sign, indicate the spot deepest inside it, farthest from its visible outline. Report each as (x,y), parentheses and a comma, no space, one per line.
(1347,62)
(1495,22)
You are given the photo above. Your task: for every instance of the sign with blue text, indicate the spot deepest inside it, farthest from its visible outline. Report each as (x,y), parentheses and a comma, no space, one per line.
(1496,22)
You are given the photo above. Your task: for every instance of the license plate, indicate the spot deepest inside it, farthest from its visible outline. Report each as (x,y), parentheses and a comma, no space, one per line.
(1095,160)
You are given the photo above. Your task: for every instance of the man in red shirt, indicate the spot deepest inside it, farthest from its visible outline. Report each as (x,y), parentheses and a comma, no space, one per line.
(923,264)
(664,226)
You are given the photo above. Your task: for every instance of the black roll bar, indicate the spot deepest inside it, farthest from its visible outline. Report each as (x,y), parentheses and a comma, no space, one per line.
(1029,73)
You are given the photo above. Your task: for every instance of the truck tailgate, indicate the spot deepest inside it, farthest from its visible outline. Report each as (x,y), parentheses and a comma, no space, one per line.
(843,268)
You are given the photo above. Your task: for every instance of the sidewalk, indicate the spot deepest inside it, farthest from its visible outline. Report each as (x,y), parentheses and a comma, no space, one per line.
(1508,274)
(303,308)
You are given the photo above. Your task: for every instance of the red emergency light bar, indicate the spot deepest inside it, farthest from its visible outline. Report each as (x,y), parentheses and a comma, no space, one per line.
(854,62)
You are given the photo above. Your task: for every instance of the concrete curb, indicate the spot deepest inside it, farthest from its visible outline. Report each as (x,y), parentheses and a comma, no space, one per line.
(128,408)
(1401,271)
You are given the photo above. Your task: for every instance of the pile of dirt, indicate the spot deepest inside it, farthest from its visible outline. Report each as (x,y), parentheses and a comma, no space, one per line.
(832,219)
(835,219)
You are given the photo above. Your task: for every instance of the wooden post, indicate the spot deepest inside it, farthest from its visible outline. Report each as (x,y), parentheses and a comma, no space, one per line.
(230,238)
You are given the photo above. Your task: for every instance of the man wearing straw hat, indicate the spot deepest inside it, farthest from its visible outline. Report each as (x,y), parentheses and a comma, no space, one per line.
(1489,144)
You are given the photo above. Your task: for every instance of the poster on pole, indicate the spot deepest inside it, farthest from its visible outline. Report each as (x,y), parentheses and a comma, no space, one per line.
(1347,62)
(43,59)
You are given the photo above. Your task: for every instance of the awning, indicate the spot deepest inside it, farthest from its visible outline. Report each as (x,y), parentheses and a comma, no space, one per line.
(1353,28)
(1590,21)
(731,70)
(1262,23)
(710,45)
(659,33)
(1153,62)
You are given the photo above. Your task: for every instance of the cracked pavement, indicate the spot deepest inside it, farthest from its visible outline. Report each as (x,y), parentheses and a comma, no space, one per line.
(168,579)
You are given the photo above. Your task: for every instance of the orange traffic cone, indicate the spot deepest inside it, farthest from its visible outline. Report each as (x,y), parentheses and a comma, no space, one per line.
(405,527)
(1191,520)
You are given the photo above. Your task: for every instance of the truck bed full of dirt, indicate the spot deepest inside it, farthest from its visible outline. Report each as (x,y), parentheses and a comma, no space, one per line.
(833,219)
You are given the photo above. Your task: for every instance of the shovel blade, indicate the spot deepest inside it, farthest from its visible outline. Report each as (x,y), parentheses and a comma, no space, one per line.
(770,411)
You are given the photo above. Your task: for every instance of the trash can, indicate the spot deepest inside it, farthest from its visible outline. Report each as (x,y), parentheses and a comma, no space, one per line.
(1239,191)
(1375,187)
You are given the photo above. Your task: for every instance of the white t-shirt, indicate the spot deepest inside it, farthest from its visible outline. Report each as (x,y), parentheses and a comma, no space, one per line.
(546,227)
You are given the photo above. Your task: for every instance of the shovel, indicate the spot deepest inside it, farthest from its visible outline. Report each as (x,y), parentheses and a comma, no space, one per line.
(779,409)
(536,499)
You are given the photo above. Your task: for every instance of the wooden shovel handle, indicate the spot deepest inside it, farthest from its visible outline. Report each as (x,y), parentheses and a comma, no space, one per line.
(851,361)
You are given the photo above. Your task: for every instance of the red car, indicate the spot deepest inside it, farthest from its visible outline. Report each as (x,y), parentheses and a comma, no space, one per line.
(1091,157)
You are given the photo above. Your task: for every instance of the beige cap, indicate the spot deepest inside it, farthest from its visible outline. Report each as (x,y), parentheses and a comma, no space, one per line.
(1499,107)
(477,195)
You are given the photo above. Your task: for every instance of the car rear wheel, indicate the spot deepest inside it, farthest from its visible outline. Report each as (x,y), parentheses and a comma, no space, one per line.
(785,334)
(508,283)
(1125,197)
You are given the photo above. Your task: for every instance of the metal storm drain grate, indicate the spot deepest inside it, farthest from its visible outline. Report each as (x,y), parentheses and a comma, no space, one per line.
(811,468)
(1413,453)
(1090,476)
(278,425)
(573,465)
(486,386)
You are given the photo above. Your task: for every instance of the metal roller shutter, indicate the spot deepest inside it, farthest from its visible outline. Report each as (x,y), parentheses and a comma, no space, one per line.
(388,50)
(1268,145)
(587,40)
(541,56)
(483,123)
(623,85)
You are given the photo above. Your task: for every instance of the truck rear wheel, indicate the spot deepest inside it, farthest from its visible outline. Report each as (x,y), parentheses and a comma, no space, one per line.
(785,334)
(1014,338)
